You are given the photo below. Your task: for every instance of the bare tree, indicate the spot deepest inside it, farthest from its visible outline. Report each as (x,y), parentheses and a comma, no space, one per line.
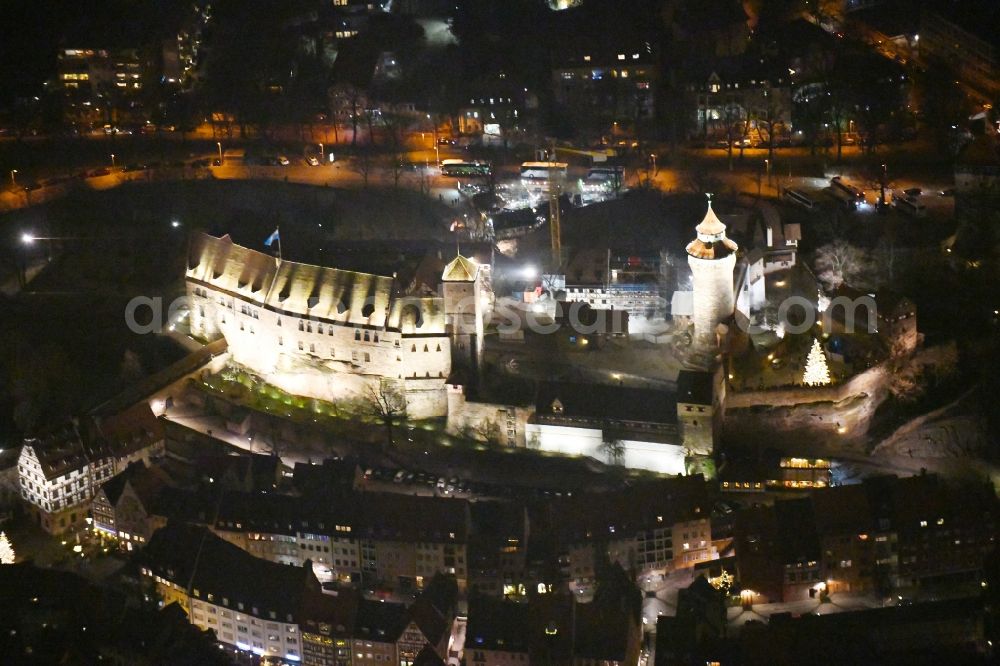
(386,403)
(614,449)
(840,262)
(488,431)
(364,162)
(347,101)
(272,442)
(395,165)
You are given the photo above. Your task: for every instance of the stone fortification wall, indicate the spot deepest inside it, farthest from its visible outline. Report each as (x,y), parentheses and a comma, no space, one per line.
(841,411)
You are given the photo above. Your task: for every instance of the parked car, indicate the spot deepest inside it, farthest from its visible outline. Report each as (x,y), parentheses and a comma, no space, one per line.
(312,160)
(282,160)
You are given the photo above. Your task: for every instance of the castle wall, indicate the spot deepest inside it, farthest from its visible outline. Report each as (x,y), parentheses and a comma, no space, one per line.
(322,359)
(465,415)
(653,456)
(808,415)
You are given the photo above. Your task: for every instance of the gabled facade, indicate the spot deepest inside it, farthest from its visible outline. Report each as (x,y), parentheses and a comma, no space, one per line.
(61,471)
(59,474)
(120,508)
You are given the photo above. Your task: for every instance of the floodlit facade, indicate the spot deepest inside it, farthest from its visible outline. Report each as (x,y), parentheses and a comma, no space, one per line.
(61,471)
(712,257)
(59,475)
(331,334)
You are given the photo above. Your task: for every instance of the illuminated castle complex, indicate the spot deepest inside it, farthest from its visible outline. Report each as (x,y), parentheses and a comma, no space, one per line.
(328,333)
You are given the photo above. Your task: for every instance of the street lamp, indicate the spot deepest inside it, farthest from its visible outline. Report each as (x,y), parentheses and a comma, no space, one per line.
(881,201)
(112,161)
(434,138)
(13,182)
(29,239)
(219,144)
(767,170)
(322,153)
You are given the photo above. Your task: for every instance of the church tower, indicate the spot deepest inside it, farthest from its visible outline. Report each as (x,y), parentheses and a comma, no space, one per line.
(462,289)
(712,258)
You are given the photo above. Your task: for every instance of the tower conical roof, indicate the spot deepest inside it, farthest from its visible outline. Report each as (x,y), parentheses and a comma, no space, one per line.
(711,242)
(460,269)
(711,225)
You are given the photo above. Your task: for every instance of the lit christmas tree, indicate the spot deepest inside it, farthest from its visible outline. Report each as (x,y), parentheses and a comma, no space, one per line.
(817,373)
(6,550)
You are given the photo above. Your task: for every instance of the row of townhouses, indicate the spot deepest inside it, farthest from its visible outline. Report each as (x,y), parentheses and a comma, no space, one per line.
(281,612)
(491,548)
(60,471)
(885,533)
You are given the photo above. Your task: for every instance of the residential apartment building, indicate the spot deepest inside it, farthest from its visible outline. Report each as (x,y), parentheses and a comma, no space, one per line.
(551,629)
(279,612)
(964,37)
(606,93)
(378,538)
(659,526)
(885,533)
(251,604)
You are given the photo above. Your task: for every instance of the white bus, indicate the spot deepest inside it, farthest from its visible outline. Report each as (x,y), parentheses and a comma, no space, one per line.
(462,168)
(845,199)
(604,177)
(907,204)
(841,185)
(800,198)
(542,172)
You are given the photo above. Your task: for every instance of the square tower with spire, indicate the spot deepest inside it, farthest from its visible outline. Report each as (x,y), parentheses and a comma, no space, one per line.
(463,293)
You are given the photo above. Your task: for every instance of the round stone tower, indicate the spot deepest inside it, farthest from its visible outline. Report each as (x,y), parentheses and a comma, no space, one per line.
(712,258)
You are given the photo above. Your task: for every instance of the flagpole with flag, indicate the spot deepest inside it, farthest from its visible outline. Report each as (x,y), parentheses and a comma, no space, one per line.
(276,236)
